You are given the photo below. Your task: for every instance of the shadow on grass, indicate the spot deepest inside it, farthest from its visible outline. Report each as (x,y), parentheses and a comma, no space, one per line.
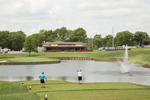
(32,56)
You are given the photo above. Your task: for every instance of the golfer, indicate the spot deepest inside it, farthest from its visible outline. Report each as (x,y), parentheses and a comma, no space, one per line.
(42,76)
(79,76)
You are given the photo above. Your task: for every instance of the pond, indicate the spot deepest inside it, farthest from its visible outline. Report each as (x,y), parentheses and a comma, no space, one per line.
(92,71)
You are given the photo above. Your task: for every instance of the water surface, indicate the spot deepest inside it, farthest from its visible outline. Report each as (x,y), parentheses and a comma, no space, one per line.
(92,71)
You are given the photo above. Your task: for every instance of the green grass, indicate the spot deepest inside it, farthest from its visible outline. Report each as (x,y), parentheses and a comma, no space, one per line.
(63,90)
(15,91)
(30,59)
(137,55)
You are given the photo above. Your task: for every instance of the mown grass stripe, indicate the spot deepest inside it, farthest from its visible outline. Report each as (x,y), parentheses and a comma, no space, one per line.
(93,90)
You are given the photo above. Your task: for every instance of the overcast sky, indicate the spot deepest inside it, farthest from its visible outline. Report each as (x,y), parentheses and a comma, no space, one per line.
(95,16)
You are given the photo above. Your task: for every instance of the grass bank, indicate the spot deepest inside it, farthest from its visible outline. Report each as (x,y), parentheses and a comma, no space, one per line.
(136,55)
(30,59)
(62,90)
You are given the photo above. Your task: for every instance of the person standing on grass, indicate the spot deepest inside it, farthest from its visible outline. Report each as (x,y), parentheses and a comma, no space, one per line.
(79,76)
(42,76)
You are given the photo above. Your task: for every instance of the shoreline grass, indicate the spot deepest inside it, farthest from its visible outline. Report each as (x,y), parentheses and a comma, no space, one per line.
(30,59)
(63,90)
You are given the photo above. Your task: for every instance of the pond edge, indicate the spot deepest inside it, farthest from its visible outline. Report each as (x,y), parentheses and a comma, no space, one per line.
(61,58)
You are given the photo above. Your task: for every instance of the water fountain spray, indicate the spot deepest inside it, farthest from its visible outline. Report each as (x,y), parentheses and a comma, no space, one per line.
(125,65)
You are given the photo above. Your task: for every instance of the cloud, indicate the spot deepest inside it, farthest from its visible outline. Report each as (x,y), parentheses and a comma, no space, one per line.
(95,16)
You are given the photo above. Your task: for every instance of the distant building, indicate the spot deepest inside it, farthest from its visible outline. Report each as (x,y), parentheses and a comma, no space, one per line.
(63,46)
(40,48)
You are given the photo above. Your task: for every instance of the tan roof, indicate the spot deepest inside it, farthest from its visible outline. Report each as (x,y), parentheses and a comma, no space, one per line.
(65,46)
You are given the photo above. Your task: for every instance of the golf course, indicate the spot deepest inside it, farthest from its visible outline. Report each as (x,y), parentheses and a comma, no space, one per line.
(64,90)
(74,49)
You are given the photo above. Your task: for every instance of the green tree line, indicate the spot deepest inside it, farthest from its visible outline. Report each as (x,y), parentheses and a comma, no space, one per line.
(18,40)
(12,40)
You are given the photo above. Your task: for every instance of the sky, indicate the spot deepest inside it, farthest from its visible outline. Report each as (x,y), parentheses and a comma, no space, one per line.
(94,16)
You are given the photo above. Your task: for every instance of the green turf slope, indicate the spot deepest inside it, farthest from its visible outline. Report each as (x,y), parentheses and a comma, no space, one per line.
(16,91)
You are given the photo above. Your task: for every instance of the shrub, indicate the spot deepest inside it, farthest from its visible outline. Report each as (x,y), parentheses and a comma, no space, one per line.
(81,50)
(58,50)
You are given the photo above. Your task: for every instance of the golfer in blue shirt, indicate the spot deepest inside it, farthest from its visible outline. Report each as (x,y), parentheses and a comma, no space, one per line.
(42,76)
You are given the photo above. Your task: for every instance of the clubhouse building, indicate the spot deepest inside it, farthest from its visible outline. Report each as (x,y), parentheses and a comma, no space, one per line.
(64,46)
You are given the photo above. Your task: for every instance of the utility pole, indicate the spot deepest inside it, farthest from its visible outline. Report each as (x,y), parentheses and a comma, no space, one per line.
(88,41)
(92,43)
(112,37)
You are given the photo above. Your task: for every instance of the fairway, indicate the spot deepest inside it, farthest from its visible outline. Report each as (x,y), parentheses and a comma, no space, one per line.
(63,90)
(28,59)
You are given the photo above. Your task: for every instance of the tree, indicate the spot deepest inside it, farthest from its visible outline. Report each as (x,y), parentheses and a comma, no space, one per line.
(29,44)
(17,39)
(41,37)
(149,40)
(62,32)
(4,40)
(79,35)
(123,38)
(141,38)
(97,41)
(35,37)
(58,39)
(107,41)
(69,36)
(50,36)
(90,42)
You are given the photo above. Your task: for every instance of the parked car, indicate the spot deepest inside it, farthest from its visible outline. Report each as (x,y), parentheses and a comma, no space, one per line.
(5,50)
(102,48)
(138,46)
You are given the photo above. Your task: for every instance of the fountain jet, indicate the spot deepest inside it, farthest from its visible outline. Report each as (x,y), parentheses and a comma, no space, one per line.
(125,65)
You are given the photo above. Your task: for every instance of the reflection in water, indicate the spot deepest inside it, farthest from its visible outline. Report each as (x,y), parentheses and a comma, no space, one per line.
(28,78)
(117,73)
(92,71)
(62,78)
